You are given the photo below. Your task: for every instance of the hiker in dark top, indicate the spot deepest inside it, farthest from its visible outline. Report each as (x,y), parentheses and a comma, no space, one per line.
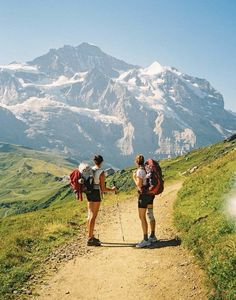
(145,204)
(94,199)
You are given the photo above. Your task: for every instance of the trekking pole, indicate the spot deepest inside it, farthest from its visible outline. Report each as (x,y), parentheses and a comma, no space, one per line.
(118,208)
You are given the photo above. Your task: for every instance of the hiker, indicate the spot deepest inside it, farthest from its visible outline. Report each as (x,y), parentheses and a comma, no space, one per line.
(94,199)
(145,204)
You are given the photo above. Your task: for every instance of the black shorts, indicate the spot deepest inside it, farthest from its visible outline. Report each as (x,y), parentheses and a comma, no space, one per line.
(94,196)
(144,200)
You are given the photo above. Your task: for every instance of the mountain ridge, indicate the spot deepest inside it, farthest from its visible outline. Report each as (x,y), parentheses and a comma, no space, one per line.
(80,101)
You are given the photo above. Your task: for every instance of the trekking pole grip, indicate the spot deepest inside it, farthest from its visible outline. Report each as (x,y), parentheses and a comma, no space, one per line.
(114,183)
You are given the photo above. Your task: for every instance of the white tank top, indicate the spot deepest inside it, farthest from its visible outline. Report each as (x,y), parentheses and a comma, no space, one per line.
(97,173)
(141,173)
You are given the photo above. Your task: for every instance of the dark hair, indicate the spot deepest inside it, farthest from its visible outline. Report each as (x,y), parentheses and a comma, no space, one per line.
(139,159)
(98,159)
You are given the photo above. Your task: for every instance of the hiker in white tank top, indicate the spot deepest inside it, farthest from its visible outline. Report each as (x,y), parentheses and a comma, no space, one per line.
(94,199)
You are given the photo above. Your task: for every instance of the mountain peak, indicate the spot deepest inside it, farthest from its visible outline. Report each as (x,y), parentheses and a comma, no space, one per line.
(154,68)
(69,60)
(90,49)
(87,45)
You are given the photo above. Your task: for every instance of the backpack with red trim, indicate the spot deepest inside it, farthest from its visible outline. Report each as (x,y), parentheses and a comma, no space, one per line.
(82,180)
(155,180)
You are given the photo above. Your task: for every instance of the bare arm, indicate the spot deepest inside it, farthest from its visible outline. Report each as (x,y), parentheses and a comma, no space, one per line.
(138,181)
(103,185)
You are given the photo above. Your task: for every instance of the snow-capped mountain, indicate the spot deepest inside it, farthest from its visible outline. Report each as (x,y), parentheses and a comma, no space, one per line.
(80,101)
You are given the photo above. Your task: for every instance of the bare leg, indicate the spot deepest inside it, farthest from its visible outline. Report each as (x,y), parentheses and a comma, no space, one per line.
(152,223)
(142,217)
(93,208)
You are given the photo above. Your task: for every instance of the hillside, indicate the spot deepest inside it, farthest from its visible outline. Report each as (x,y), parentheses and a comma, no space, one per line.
(29,180)
(204,216)
(29,183)
(180,166)
(39,212)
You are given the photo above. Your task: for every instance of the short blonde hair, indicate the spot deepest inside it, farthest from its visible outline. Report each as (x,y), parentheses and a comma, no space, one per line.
(139,159)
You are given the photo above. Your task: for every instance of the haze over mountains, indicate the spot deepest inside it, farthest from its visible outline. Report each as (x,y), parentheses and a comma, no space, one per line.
(79,101)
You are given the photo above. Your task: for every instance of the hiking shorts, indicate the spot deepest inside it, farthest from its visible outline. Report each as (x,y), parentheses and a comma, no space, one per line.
(94,196)
(144,200)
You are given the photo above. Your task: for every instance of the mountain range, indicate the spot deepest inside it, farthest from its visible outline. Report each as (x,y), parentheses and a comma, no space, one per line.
(79,101)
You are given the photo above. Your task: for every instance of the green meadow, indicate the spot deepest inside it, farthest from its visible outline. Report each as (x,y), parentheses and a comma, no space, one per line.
(205,226)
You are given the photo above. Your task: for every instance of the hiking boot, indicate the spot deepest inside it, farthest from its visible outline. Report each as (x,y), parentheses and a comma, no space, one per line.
(93,242)
(152,239)
(143,244)
(97,240)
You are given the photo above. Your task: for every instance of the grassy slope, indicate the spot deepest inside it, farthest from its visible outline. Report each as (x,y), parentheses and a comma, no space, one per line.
(204,226)
(30,183)
(28,179)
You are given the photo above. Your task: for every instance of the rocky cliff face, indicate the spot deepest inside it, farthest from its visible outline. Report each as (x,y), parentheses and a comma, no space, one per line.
(79,100)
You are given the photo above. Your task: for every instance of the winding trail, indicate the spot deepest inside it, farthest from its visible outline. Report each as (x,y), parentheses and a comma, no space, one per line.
(117,270)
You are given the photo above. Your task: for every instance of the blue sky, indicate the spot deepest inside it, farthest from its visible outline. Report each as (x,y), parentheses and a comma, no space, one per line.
(197,37)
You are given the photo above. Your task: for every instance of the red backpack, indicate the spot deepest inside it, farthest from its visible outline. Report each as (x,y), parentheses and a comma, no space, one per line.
(74,182)
(82,181)
(155,180)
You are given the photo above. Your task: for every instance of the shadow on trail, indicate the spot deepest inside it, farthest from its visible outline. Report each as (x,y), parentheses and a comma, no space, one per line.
(165,243)
(159,244)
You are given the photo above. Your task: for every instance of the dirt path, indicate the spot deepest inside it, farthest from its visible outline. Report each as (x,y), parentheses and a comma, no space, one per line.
(120,271)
